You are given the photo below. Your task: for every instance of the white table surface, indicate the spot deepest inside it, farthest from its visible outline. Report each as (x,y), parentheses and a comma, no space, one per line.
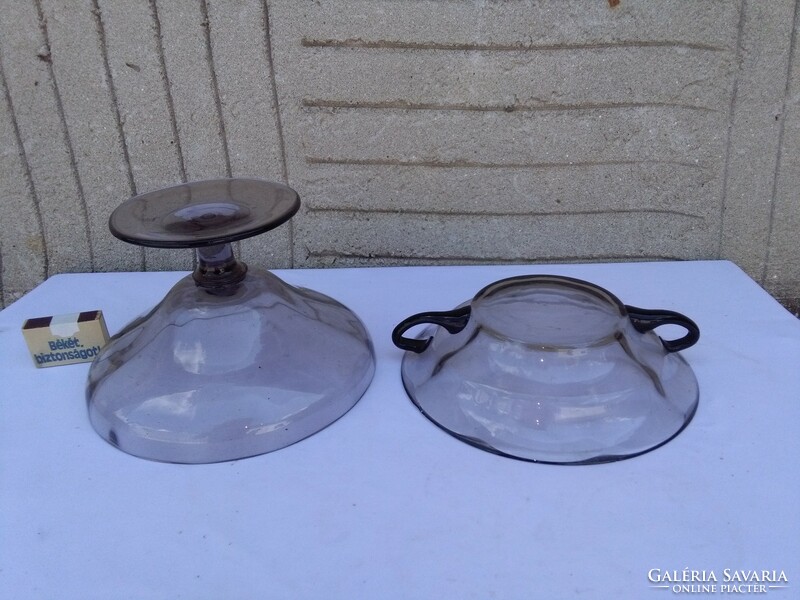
(383,504)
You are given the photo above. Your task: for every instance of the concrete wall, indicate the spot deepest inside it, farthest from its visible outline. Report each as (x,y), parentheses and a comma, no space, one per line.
(416,131)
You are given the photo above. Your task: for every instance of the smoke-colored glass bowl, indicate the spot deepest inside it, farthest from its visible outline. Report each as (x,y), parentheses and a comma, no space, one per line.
(551,369)
(233,362)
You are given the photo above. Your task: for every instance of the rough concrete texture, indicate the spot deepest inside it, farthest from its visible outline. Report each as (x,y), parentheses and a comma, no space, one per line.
(416,131)
(242,56)
(782,255)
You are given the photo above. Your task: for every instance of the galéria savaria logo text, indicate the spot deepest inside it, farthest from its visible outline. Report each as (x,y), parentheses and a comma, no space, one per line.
(727,581)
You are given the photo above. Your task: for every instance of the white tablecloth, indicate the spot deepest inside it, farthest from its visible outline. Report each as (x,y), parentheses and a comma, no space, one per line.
(383,504)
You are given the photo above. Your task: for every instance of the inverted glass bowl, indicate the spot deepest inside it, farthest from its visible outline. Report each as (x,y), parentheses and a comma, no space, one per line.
(233,362)
(551,369)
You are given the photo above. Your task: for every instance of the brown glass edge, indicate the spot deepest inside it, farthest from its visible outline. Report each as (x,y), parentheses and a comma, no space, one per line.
(226,239)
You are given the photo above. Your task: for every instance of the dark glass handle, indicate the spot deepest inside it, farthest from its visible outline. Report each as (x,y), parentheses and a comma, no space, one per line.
(644,320)
(452,320)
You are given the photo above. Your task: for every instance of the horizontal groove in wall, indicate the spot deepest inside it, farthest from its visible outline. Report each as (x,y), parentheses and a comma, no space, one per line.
(464,164)
(529,139)
(362,44)
(516,238)
(478,213)
(467,259)
(510,108)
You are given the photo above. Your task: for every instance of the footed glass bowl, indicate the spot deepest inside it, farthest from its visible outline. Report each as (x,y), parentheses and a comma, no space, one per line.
(233,362)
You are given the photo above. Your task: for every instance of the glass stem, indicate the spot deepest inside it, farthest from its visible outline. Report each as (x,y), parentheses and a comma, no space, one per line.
(217,268)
